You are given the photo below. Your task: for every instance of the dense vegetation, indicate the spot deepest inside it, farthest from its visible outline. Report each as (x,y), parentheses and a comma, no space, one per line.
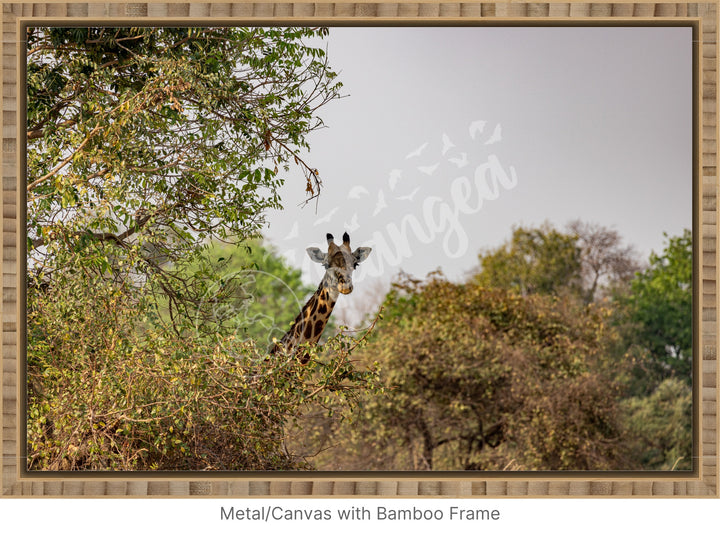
(538,362)
(144,145)
(152,299)
(479,377)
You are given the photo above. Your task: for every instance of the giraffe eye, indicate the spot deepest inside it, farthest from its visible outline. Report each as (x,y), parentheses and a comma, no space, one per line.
(355,265)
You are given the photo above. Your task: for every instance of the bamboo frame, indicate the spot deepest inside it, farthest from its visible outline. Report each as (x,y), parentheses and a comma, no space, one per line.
(702,481)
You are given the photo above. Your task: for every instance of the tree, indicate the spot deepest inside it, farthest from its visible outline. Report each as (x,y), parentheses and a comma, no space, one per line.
(605,262)
(143,145)
(479,378)
(654,319)
(588,261)
(535,261)
(145,142)
(660,309)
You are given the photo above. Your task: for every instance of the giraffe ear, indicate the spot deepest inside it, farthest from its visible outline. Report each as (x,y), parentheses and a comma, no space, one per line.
(316,255)
(361,253)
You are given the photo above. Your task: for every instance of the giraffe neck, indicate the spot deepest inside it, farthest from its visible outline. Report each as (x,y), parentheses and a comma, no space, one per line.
(311,321)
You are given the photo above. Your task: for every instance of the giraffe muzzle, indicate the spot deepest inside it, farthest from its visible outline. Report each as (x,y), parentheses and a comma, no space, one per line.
(345,288)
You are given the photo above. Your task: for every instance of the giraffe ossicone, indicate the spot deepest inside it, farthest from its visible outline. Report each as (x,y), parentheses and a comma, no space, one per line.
(339,261)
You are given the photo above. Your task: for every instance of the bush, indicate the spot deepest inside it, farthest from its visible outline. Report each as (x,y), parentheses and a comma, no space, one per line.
(111,388)
(661,426)
(478,379)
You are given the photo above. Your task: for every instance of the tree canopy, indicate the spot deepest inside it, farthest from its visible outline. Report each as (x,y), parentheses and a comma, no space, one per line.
(479,379)
(588,261)
(538,361)
(535,260)
(606,264)
(143,143)
(660,309)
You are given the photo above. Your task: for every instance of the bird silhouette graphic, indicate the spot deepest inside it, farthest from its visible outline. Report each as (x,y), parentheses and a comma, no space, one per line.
(460,162)
(476,127)
(353,225)
(428,169)
(381,204)
(327,217)
(395,176)
(417,152)
(410,196)
(294,232)
(496,136)
(447,144)
(357,191)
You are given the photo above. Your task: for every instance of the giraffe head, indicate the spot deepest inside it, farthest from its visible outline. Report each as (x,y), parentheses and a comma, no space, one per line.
(339,262)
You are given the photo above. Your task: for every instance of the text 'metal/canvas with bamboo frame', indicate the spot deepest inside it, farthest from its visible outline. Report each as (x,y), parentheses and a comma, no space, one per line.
(701,481)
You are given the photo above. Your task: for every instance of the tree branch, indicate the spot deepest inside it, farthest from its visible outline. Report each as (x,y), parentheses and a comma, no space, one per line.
(62,164)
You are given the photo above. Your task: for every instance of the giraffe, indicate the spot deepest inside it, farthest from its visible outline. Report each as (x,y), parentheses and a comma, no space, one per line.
(339,262)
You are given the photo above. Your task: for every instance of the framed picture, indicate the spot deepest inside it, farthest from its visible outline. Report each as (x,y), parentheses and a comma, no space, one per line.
(370,249)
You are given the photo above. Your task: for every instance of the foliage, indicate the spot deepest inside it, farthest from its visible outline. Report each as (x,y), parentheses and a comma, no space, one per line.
(588,261)
(146,349)
(661,426)
(508,372)
(264,294)
(110,389)
(143,143)
(535,261)
(480,378)
(659,307)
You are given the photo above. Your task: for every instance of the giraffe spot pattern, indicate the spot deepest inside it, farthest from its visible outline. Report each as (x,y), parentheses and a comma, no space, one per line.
(319,326)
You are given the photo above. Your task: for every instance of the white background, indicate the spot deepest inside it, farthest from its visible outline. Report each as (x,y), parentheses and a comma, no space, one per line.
(587,516)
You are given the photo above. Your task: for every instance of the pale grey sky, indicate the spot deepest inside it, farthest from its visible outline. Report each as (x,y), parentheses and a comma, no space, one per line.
(450,136)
